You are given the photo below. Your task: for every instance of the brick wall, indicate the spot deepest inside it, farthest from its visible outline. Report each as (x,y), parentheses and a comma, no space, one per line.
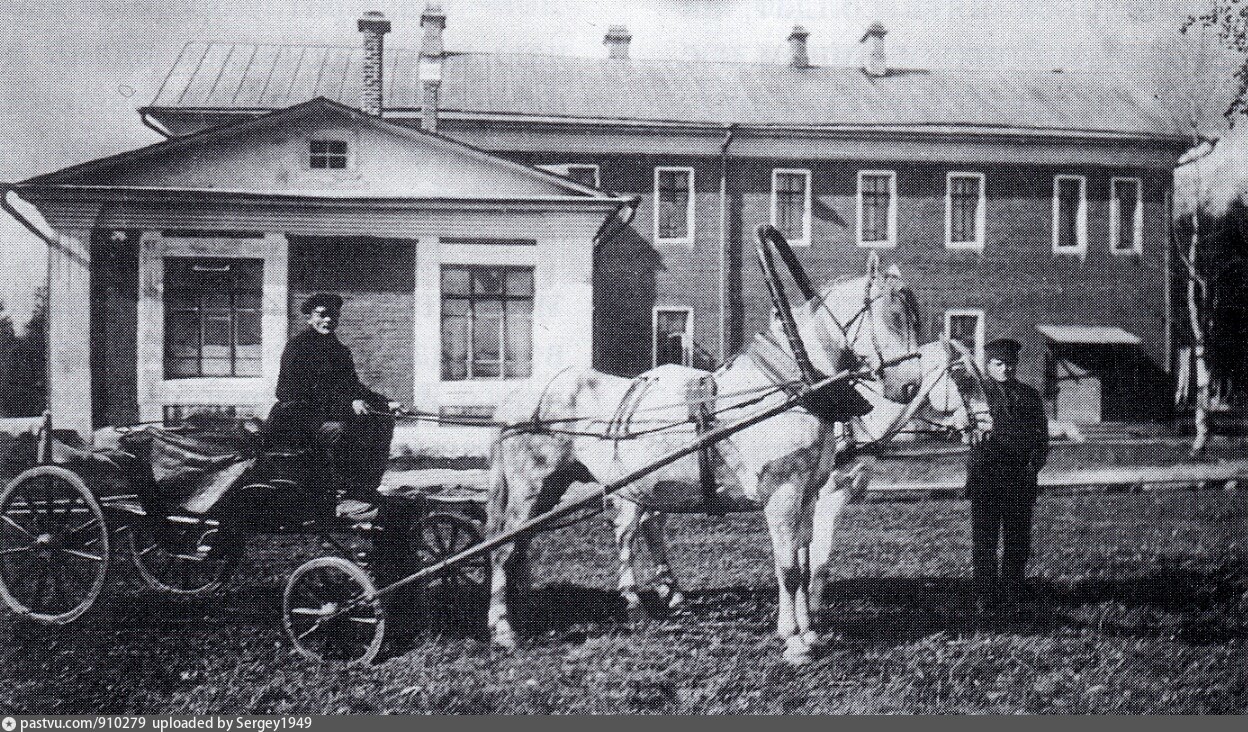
(114,329)
(376,279)
(1016,279)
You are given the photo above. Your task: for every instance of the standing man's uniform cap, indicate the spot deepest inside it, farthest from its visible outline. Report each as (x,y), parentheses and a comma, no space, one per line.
(327,300)
(1003,349)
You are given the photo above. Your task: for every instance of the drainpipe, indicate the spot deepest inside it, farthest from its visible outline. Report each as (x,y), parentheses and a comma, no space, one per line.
(153,125)
(729,131)
(625,214)
(5,190)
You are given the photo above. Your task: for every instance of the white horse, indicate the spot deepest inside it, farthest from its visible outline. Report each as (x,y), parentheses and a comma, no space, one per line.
(548,438)
(938,406)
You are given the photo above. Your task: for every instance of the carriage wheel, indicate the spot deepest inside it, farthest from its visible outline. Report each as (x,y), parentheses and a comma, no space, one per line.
(332,612)
(192,559)
(53,545)
(444,535)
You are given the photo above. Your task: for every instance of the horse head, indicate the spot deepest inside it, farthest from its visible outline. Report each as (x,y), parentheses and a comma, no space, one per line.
(868,322)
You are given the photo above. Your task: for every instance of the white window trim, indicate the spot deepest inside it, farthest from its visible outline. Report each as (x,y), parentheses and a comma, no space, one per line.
(981,216)
(686,346)
(155,392)
(1137,220)
(1081,217)
(980,330)
(891,242)
(331,135)
(806,202)
(689,209)
(565,170)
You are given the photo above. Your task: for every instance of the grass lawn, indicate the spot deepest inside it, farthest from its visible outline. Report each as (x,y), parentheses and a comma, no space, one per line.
(1142,608)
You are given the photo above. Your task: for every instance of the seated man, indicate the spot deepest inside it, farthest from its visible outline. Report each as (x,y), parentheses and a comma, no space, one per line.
(321,403)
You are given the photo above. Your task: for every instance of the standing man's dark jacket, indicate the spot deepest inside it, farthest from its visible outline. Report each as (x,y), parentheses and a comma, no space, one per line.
(1019,441)
(318,374)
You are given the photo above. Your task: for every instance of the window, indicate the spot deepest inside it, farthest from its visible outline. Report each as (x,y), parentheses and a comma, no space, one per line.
(1070,214)
(487,322)
(964,211)
(673,336)
(877,208)
(1126,216)
(673,205)
(213,317)
(327,154)
(967,327)
(790,204)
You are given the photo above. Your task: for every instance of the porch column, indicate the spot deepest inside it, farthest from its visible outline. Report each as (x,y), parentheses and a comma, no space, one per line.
(69,331)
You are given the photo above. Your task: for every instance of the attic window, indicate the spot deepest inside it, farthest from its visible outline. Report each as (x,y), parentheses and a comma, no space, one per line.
(330,154)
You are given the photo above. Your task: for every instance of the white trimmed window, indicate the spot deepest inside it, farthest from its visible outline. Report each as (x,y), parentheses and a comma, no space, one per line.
(673,205)
(790,204)
(487,322)
(877,208)
(584,173)
(1126,216)
(965,204)
(327,154)
(967,327)
(1070,214)
(673,336)
(213,309)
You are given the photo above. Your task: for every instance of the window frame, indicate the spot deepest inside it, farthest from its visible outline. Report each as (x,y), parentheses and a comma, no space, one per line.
(1137,219)
(981,318)
(806,202)
(347,162)
(891,241)
(168,310)
(1081,216)
(686,345)
(690,207)
(502,376)
(981,211)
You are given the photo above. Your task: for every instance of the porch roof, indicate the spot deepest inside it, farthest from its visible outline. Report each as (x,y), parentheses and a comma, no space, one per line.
(1104,335)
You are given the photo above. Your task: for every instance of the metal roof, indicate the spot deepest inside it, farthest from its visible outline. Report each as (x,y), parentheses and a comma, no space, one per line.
(1109,335)
(229,76)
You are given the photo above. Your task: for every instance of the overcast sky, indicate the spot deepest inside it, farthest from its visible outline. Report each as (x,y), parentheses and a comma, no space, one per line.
(72,72)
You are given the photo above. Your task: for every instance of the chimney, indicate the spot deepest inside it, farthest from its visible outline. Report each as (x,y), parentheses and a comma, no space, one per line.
(799,59)
(433,20)
(374,26)
(616,41)
(877,62)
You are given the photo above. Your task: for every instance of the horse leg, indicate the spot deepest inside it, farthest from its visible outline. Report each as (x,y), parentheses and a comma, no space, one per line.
(842,487)
(511,503)
(784,512)
(653,526)
(627,519)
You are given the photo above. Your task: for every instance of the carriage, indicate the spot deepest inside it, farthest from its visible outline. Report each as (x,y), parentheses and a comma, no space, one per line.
(63,519)
(182,502)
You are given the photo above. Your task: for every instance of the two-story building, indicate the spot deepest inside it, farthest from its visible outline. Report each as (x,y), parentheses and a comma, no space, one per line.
(1016,203)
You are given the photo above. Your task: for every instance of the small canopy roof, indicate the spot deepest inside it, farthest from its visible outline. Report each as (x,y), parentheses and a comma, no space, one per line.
(1105,335)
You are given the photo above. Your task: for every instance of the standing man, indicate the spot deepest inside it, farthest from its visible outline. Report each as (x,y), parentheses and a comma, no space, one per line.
(321,403)
(1001,478)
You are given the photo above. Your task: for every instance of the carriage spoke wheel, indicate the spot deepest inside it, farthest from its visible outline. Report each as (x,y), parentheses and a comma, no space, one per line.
(332,612)
(190,559)
(444,535)
(53,545)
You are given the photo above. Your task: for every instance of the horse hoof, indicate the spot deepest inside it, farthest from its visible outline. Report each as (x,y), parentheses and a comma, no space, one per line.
(673,598)
(811,638)
(503,639)
(797,651)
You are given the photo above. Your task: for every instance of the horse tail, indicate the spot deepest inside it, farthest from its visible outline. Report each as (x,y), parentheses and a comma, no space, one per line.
(496,502)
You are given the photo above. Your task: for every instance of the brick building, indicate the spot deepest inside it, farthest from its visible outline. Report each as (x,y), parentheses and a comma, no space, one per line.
(1025,204)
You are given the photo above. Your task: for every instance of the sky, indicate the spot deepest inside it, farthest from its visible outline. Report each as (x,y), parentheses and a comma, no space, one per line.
(72,72)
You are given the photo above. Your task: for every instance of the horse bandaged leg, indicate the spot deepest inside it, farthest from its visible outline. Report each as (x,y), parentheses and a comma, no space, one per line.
(784,511)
